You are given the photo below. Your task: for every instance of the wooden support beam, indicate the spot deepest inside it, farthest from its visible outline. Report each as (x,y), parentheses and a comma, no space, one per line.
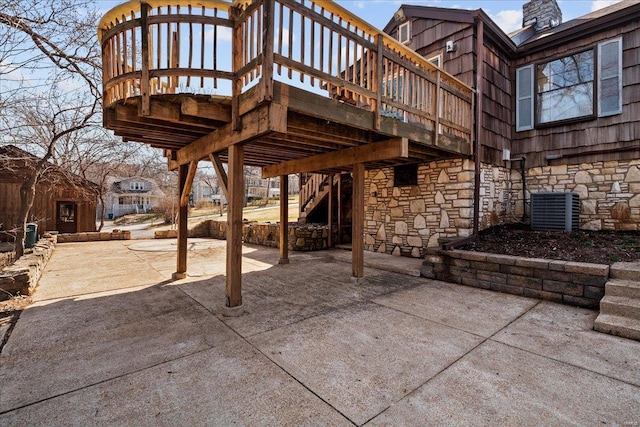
(144,45)
(186,188)
(357,215)
(222,175)
(181,268)
(284,220)
(211,109)
(330,218)
(233,290)
(390,149)
(264,120)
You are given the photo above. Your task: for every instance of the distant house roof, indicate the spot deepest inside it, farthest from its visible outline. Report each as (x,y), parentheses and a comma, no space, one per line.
(16,165)
(116,186)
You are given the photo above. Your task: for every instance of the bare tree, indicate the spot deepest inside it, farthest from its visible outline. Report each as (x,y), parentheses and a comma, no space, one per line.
(51,46)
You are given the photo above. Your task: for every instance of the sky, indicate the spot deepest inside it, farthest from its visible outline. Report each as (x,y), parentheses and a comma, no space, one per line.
(506,13)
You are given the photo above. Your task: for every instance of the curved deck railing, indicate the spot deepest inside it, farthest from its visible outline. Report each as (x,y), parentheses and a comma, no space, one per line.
(218,47)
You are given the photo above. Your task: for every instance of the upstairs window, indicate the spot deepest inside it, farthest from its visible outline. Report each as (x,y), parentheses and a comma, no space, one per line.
(404,32)
(136,185)
(569,88)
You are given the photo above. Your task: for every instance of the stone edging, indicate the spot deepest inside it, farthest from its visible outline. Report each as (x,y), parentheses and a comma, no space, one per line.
(573,283)
(94,236)
(21,278)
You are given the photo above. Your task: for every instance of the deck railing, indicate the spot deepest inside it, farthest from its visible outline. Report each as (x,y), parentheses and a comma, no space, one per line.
(218,47)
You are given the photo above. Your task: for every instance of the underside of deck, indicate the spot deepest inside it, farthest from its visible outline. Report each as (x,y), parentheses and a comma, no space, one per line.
(297,131)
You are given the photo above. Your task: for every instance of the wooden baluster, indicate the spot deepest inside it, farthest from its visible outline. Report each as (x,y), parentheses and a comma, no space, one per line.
(145,108)
(302,43)
(290,47)
(215,48)
(202,42)
(313,44)
(190,46)
(280,32)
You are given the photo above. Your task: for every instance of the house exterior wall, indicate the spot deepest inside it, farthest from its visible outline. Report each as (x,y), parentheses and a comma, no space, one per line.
(615,137)
(406,220)
(43,211)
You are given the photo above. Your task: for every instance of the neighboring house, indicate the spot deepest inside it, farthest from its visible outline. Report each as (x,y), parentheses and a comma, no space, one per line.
(63,202)
(259,188)
(131,195)
(557,110)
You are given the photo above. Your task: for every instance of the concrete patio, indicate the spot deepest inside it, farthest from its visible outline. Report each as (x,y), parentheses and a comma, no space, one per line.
(110,341)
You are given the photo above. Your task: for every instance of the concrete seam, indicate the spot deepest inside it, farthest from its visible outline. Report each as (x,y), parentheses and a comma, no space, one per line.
(456,360)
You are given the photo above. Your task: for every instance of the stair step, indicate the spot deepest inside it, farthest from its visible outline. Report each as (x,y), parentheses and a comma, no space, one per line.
(617,325)
(620,306)
(623,288)
(625,270)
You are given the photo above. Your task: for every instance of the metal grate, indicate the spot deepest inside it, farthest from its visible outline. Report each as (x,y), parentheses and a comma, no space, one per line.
(555,211)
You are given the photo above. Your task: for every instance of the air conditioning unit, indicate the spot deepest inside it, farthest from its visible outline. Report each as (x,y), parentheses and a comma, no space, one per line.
(555,211)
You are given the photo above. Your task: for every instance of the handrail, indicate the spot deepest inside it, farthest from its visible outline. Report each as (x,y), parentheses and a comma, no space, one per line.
(160,46)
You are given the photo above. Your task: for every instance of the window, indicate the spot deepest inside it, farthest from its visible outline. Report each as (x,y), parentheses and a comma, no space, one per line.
(436,60)
(136,185)
(404,33)
(566,88)
(405,175)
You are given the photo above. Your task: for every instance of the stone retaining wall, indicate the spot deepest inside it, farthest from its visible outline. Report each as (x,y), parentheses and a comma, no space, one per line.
(21,278)
(94,236)
(302,237)
(572,283)
(7,258)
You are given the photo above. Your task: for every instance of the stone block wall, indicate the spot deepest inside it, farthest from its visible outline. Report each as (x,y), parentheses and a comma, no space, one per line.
(609,191)
(302,237)
(21,278)
(406,220)
(7,258)
(94,236)
(572,283)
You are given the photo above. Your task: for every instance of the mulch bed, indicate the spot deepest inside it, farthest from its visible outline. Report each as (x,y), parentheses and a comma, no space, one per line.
(598,247)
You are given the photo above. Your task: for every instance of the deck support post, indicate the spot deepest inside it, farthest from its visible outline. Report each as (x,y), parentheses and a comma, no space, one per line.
(330,213)
(284,219)
(357,237)
(181,268)
(233,290)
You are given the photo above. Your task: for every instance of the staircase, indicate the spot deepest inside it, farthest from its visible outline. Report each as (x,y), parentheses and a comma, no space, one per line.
(620,307)
(313,191)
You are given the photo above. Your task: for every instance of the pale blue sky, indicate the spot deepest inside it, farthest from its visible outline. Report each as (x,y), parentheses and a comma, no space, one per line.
(506,13)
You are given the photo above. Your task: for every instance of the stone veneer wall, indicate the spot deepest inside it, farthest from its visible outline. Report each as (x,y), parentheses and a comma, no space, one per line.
(609,191)
(21,278)
(406,220)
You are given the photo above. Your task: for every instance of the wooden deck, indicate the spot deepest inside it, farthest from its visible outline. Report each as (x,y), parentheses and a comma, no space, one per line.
(288,85)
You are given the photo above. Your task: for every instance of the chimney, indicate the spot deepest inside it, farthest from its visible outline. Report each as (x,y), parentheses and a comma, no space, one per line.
(543,14)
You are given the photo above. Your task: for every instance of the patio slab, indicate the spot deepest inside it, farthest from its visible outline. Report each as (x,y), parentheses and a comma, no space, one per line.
(377,355)
(501,385)
(112,341)
(445,303)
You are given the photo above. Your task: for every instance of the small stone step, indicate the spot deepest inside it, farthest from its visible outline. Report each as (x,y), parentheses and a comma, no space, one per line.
(620,306)
(620,326)
(625,270)
(623,288)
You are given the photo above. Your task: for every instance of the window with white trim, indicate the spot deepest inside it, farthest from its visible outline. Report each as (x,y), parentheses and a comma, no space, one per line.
(133,185)
(404,32)
(569,88)
(436,60)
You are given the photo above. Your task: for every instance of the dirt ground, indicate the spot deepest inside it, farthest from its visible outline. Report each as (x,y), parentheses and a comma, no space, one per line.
(599,247)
